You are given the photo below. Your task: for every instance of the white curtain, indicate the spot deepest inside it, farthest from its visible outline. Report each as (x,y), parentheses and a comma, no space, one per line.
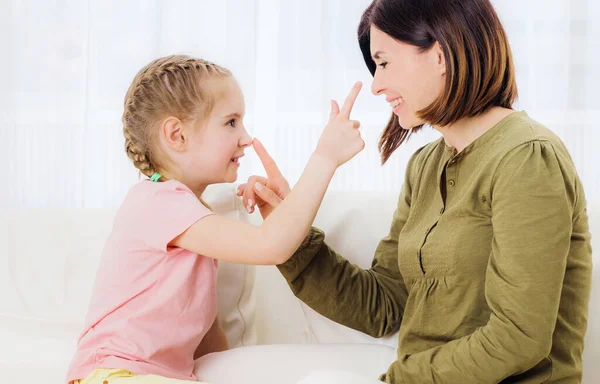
(66,66)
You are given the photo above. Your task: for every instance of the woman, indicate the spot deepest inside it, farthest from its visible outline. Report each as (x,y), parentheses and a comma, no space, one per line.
(486,270)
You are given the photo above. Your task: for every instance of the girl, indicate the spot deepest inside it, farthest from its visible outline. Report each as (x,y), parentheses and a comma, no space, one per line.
(154,297)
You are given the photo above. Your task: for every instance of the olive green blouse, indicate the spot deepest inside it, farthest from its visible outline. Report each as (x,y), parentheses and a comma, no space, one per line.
(486,271)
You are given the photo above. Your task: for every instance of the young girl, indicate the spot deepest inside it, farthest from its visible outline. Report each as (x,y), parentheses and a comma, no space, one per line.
(154,295)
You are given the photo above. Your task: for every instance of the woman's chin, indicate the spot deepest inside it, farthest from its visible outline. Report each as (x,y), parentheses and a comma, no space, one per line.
(405,124)
(408,123)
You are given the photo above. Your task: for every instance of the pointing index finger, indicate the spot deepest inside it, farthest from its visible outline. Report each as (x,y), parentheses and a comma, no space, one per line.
(349,103)
(266,159)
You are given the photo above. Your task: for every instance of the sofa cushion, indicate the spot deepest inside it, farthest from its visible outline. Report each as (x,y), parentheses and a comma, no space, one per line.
(235,282)
(287,364)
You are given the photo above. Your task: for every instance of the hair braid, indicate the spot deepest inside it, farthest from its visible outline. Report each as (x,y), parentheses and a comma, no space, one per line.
(168,86)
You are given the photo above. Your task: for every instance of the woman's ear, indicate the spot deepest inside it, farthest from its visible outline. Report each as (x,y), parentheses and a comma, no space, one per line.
(440,58)
(173,133)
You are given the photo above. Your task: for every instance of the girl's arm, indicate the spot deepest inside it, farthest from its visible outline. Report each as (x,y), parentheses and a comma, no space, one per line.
(276,239)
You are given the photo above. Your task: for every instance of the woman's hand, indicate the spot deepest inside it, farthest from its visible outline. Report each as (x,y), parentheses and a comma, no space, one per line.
(265,193)
(341,140)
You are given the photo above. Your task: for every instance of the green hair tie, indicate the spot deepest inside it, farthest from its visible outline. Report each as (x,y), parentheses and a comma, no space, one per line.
(155,177)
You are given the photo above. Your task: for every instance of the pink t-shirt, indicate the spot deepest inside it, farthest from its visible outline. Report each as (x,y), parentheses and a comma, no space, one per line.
(151,305)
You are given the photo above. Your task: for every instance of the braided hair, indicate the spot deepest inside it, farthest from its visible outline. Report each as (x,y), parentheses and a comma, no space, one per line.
(174,85)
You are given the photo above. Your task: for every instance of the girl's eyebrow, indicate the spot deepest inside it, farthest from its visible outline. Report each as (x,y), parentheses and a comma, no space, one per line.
(233,115)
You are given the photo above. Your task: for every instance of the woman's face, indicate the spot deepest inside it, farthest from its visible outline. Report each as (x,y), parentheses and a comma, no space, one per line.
(411,80)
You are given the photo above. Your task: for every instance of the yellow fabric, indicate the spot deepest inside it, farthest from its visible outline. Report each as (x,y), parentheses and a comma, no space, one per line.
(121,376)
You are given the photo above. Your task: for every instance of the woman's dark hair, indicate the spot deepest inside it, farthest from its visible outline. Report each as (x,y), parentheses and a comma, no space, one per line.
(479,68)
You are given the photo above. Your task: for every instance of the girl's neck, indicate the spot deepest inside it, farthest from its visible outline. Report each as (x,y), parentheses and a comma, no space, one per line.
(465,131)
(197,188)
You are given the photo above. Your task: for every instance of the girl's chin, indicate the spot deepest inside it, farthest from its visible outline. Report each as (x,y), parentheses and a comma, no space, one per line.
(231,177)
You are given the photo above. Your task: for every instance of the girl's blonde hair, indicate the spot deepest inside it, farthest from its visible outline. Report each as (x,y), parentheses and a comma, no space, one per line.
(175,86)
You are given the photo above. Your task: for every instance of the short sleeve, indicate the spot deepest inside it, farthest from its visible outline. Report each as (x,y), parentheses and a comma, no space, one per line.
(169,209)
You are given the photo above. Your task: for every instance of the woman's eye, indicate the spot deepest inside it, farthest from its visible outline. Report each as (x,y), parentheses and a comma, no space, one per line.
(231,123)
(383,64)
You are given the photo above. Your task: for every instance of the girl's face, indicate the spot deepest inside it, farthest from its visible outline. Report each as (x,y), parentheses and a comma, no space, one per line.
(213,147)
(216,147)
(411,80)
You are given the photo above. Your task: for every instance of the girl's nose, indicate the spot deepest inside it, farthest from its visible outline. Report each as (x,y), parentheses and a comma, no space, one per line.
(245,140)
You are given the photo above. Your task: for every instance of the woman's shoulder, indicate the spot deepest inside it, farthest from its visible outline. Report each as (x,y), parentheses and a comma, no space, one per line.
(524,137)
(530,145)
(520,130)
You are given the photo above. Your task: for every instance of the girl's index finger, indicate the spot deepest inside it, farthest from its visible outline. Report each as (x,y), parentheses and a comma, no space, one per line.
(266,159)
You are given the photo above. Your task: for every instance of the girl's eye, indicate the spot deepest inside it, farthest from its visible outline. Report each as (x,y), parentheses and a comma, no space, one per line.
(231,123)
(383,64)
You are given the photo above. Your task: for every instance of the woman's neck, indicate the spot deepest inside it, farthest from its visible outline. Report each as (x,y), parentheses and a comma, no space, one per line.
(465,131)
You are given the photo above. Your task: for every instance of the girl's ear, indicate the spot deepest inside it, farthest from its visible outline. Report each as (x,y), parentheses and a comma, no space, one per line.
(173,132)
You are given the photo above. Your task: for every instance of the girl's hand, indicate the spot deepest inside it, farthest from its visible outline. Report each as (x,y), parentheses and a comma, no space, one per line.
(265,193)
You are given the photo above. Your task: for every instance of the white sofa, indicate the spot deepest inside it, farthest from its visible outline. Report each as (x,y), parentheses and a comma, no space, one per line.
(48,267)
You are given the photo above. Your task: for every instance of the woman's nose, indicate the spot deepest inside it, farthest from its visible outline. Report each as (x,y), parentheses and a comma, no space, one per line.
(377,86)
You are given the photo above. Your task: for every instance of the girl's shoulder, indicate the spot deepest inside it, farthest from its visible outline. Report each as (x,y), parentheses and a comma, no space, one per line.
(146,188)
(155,213)
(147,199)
(146,192)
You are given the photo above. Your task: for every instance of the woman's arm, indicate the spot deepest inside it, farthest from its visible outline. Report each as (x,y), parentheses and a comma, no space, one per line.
(282,232)
(371,301)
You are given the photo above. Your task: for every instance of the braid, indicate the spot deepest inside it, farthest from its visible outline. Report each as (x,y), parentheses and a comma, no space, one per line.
(138,155)
(168,86)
